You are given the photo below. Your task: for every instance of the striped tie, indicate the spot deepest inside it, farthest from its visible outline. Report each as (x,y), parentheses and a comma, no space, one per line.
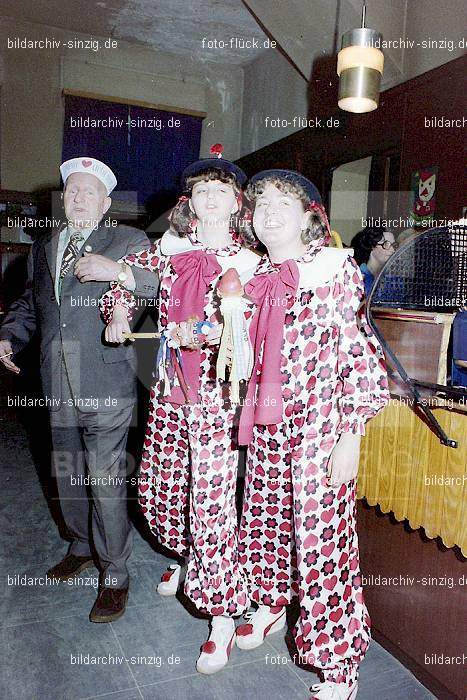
(70,254)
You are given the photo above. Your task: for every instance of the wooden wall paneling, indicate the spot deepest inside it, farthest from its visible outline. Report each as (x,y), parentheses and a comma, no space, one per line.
(396,126)
(424,615)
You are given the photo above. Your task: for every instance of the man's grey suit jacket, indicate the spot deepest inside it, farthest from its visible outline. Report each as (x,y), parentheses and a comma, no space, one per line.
(74,329)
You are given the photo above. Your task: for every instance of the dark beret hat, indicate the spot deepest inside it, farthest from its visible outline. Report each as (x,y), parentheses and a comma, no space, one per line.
(225,166)
(292,177)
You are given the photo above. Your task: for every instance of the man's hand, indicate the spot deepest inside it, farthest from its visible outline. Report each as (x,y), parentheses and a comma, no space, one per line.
(344,459)
(6,352)
(118,326)
(96,268)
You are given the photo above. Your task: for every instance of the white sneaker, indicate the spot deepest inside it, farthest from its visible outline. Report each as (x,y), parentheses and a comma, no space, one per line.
(334,691)
(261,623)
(170,580)
(216,651)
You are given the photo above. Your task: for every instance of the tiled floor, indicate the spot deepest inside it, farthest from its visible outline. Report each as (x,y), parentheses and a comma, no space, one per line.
(48,643)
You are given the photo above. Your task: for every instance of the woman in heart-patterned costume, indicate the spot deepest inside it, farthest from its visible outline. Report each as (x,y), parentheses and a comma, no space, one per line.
(319,375)
(188,475)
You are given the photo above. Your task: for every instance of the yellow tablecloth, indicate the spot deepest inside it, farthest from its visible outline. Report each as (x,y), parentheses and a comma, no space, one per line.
(405,469)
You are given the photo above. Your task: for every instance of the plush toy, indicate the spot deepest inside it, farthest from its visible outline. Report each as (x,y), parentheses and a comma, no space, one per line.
(423,185)
(235,348)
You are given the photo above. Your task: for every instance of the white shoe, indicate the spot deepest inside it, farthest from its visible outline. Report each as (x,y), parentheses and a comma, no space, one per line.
(170,580)
(261,623)
(216,651)
(334,691)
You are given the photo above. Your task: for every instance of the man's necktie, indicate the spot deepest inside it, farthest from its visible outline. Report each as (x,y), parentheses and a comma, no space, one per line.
(70,254)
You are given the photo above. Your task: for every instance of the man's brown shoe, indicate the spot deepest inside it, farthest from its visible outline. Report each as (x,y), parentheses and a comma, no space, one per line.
(69,567)
(110,605)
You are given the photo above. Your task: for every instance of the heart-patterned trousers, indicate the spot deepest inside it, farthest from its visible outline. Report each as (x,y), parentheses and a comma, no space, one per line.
(297,537)
(187,489)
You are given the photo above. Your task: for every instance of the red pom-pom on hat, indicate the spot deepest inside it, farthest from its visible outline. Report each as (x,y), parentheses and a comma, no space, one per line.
(216,150)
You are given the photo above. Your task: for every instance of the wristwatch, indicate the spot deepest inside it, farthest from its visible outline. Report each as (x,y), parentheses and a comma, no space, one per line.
(123,274)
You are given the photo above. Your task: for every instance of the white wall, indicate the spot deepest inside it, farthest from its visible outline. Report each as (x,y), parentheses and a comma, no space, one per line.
(431,21)
(349,198)
(272,90)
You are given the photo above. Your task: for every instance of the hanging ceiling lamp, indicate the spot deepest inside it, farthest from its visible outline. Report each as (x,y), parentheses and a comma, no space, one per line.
(360,67)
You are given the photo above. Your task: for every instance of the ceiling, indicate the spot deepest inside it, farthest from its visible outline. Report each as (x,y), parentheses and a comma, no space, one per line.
(304,29)
(176,26)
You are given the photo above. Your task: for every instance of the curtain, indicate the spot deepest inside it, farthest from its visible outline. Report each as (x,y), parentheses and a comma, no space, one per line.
(405,469)
(146,148)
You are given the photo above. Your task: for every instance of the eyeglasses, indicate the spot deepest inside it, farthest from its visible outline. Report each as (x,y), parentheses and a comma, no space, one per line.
(386,245)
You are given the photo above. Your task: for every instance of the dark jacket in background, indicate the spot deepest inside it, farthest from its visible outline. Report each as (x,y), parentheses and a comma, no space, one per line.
(74,329)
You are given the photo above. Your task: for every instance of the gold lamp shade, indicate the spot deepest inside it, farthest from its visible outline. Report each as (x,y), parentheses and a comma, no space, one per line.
(360,67)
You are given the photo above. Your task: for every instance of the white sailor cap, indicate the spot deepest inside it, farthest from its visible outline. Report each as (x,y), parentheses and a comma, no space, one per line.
(92,166)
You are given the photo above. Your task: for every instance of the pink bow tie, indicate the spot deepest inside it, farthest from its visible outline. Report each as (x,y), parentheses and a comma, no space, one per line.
(195,271)
(271,292)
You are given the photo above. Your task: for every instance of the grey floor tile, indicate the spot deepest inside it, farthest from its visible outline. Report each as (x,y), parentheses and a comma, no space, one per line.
(19,616)
(166,621)
(387,687)
(380,673)
(29,541)
(378,661)
(45,601)
(152,638)
(417,692)
(151,665)
(119,695)
(49,660)
(250,681)
(156,643)
(143,551)
(144,577)
(24,603)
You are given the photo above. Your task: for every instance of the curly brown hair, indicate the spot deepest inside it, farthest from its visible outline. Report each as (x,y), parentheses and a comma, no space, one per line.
(183,220)
(318,226)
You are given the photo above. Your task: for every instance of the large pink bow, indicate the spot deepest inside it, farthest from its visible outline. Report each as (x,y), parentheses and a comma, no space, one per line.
(195,271)
(263,402)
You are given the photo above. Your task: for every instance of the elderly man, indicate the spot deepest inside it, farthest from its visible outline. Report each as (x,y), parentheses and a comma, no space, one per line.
(89,387)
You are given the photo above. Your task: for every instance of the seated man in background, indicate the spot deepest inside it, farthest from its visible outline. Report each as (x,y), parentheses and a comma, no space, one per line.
(89,387)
